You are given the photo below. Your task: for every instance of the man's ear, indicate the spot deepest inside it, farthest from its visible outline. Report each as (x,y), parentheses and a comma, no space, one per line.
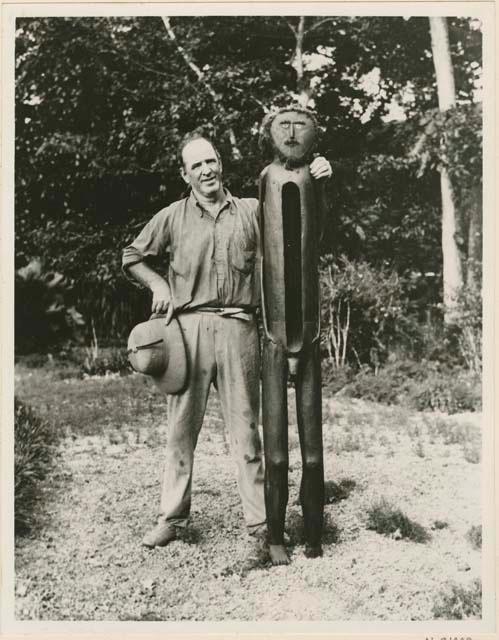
(185,177)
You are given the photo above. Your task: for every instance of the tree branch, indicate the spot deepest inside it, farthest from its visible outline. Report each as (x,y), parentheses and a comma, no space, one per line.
(291,26)
(236,154)
(318,24)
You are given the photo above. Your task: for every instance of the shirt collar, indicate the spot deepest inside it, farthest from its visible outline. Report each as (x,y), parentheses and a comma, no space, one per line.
(226,203)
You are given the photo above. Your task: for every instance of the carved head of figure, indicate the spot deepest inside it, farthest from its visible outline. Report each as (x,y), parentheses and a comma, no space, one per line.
(290,135)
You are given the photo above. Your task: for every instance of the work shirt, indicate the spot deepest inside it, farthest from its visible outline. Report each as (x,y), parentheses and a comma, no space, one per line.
(212,259)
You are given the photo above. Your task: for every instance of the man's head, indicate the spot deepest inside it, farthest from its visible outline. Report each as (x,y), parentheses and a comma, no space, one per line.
(201,165)
(290,134)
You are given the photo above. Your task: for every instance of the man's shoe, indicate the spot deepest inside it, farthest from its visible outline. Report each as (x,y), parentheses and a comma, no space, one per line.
(160,536)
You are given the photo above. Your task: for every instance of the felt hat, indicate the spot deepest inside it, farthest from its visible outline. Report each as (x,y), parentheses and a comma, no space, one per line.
(157,350)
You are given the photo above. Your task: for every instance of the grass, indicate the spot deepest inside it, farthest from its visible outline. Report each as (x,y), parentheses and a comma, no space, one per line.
(93,406)
(460,603)
(108,498)
(390,521)
(474,536)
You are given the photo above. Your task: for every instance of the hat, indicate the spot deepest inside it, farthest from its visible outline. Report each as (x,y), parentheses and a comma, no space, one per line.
(157,350)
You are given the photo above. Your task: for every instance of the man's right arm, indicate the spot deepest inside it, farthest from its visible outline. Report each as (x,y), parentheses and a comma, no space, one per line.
(153,240)
(161,294)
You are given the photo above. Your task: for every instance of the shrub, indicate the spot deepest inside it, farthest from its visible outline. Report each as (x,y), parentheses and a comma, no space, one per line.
(33,449)
(362,310)
(468,323)
(99,362)
(420,385)
(42,317)
(385,519)
(451,391)
(460,603)
(337,491)
(336,378)
(110,360)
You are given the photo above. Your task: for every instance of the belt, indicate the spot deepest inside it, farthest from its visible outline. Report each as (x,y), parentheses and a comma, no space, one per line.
(227,312)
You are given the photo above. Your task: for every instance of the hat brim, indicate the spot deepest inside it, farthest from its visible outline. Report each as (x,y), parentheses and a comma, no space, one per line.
(158,350)
(174,379)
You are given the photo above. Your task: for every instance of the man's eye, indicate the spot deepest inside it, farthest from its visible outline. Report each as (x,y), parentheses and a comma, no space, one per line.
(285,125)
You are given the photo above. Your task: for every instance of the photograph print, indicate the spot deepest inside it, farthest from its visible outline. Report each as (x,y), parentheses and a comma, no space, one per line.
(248,318)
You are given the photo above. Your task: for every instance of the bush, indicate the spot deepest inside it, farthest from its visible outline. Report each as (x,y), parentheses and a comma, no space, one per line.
(362,312)
(336,378)
(33,450)
(385,519)
(460,603)
(42,317)
(468,324)
(419,385)
(104,361)
(451,391)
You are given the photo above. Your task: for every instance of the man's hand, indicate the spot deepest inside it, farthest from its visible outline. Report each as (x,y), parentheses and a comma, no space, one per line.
(161,294)
(161,299)
(320,168)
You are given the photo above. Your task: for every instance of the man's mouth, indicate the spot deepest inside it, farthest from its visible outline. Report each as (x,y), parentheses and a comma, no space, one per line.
(291,143)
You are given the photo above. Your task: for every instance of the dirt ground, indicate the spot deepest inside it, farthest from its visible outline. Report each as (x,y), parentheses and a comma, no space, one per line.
(85,561)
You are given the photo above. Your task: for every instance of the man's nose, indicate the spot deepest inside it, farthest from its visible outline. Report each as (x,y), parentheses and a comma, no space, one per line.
(206,168)
(292,131)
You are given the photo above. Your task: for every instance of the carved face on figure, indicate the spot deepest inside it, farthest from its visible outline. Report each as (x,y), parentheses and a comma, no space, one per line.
(293,135)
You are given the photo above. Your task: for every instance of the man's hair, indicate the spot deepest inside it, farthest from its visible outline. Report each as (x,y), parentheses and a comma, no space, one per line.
(265,140)
(197,134)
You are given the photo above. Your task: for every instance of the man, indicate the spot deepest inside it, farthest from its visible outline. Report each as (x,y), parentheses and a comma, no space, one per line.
(212,238)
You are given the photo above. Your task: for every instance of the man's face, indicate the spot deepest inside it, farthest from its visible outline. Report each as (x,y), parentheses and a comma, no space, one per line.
(293,135)
(202,168)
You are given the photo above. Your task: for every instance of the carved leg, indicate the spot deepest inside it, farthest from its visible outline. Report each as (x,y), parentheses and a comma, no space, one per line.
(275,442)
(309,414)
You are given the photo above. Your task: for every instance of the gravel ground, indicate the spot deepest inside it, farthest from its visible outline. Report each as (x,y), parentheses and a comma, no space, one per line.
(86,562)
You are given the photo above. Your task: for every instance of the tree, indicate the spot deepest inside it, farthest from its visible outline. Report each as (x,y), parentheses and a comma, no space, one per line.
(452,271)
(101,104)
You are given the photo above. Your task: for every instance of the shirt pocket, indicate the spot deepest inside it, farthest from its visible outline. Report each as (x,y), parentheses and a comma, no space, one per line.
(243,258)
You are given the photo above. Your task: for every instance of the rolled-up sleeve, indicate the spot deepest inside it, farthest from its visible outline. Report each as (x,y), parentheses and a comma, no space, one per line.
(152,241)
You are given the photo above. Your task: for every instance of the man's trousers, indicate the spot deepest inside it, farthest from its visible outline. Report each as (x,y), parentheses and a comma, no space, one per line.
(225,351)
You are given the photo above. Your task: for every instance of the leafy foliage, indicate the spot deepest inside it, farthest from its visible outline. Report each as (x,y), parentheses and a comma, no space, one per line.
(424,386)
(362,310)
(42,316)
(386,519)
(101,104)
(33,454)
(460,603)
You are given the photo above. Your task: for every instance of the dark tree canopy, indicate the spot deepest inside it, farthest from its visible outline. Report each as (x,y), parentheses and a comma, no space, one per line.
(101,104)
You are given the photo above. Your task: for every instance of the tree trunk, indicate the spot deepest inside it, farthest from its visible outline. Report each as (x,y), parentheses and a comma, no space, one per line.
(452,270)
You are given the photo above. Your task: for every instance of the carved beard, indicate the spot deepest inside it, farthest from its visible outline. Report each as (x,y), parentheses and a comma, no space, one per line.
(291,163)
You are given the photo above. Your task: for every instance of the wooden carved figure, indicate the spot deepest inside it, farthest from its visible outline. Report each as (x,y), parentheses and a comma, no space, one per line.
(291,204)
